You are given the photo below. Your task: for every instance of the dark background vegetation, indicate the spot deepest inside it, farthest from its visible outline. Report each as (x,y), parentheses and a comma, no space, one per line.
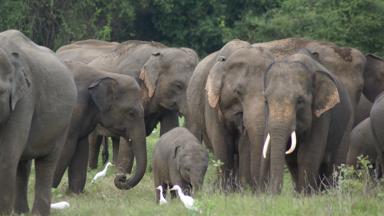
(204,25)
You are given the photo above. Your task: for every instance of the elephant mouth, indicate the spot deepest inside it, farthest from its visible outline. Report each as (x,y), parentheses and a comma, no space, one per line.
(289,151)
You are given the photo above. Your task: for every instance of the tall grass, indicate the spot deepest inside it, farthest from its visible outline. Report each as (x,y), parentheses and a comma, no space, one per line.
(103,198)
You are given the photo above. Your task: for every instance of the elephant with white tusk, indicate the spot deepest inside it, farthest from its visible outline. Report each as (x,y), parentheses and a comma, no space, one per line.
(308,112)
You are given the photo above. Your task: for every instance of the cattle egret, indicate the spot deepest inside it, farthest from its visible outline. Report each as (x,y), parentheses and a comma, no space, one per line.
(60,205)
(102,173)
(185,199)
(162,199)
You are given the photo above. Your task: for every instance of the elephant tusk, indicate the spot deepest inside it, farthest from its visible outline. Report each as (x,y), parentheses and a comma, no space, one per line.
(266,144)
(293,143)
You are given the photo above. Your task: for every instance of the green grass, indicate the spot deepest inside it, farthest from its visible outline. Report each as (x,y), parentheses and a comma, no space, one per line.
(103,198)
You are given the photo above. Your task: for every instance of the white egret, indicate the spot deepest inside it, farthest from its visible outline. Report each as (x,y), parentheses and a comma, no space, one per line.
(102,173)
(162,199)
(185,199)
(60,205)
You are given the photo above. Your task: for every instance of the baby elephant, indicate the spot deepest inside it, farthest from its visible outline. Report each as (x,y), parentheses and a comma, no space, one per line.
(179,159)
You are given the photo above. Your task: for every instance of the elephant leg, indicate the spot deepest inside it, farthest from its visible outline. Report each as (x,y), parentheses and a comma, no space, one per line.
(21,201)
(66,156)
(115,147)
(244,160)
(105,154)
(168,121)
(293,169)
(126,156)
(45,169)
(310,156)
(94,149)
(77,171)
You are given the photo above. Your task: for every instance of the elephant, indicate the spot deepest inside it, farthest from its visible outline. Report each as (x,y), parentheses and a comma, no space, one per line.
(373,77)
(307,106)
(363,142)
(37,96)
(85,51)
(362,110)
(226,109)
(163,74)
(377,122)
(113,101)
(347,64)
(179,159)
(99,137)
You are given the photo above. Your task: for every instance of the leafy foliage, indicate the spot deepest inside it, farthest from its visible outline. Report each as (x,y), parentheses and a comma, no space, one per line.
(203,25)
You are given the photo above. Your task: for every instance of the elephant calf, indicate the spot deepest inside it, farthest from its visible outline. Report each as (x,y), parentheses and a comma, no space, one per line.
(179,159)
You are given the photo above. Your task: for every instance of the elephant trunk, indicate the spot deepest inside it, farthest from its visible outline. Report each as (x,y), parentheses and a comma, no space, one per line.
(278,143)
(140,153)
(254,122)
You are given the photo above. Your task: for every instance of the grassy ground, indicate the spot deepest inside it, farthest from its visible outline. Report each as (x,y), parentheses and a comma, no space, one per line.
(102,198)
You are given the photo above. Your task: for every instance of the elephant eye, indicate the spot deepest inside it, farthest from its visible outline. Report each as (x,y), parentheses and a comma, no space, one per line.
(179,85)
(300,100)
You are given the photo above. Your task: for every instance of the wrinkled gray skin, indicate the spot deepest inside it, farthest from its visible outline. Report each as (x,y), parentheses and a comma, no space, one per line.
(85,51)
(347,64)
(377,124)
(363,142)
(227,109)
(303,96)
(163,74)
(179,159)
(37,98)
(113,101)
(362,110)
(373,77)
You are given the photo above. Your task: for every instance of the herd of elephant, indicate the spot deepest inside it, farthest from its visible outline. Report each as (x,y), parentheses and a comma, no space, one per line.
(257,107)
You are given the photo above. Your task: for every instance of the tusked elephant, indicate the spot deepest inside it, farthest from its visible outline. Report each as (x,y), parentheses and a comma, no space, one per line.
(113,101)
(310,109)
(226,109)
(37,96)
(347,64)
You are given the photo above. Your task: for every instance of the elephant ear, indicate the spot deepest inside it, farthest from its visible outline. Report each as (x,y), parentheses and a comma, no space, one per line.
(215,82)
(149,74)
(177,150)
(326,93)
(21,82)
(103,92)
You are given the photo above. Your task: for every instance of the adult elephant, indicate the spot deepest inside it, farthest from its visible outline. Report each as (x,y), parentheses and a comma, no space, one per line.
(377,124)
(347,64)
(227,108)
(362,110)
(113,101)
(85,51)
(163,74)
(373,77)
(363,142)
(37,98)
(307,105)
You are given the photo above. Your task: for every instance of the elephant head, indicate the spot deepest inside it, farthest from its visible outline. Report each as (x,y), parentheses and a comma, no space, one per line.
(120,110)
(234,90)
(192,163)
(297,90)
(14,82)
(166,75)
(373,77)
